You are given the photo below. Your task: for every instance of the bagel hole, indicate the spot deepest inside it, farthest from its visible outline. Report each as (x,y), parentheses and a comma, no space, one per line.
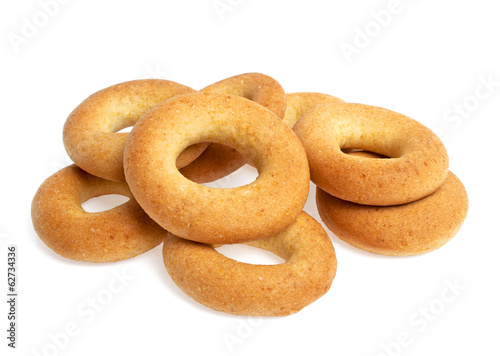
(104,202)
(240,177)
(249,254)
(125,129)
(364,153)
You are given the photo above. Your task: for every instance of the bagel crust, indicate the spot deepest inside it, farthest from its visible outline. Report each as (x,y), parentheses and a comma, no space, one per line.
(297,104)
(234,287)
(90,132)
(108,236)
(418,164)
(402,230)
(210,215)
(217,161)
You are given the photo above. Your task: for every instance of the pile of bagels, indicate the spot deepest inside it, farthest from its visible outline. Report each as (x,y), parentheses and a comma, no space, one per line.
(382,179)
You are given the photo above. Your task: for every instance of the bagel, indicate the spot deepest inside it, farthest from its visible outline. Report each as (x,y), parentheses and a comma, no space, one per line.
(217,161)
(90,133)
(402,230)
(418,164)
(108,236)
(256,87)
(297,104)
(234,287)
(210,215)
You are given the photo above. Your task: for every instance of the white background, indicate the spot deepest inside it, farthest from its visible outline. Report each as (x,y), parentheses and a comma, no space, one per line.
(428,61)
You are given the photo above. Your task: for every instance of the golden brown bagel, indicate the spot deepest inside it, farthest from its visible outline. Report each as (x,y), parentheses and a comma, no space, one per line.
(401,230)
(226,285)
(113,235)
(263,207)
(90,132)
(418,166)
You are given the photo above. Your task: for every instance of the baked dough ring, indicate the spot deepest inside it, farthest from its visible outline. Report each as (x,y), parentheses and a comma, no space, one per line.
(297,104)
(211,215)
(234,287)
(217,161)
(418,167)
(402,230)
(113,235)
(90,132)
